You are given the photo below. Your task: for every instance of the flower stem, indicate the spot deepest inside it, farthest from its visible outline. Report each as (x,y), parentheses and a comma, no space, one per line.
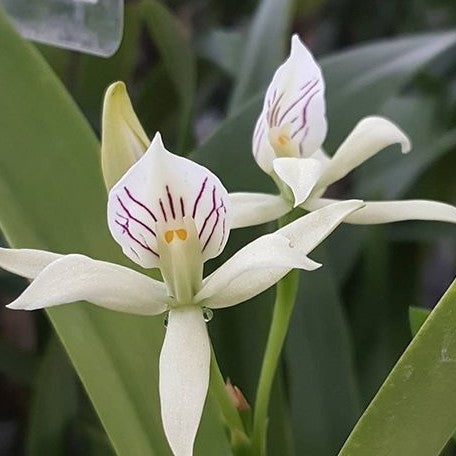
(283,308)
(218,390)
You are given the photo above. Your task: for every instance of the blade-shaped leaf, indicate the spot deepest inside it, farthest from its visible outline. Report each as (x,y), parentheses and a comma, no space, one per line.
(413,414)
(54,404)
(359,81)
(229,145)
(417,317)
(178,57)
(264,50)
(318,351)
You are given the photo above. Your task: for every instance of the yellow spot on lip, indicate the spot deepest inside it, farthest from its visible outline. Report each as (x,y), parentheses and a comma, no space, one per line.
(181,234)
(283,140)
(169,236)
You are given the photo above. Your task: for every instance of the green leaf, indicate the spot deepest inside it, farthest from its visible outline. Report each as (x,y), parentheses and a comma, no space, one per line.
(265,47)
(417,317)
(54,404)
(413,414)
(320,366)
(178,57)
(360,80)
(53,198)
(231,144)
(90,75)
(378,308)
(222,47)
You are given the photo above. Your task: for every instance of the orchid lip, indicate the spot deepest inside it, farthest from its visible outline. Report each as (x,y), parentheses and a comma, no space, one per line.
(164,189)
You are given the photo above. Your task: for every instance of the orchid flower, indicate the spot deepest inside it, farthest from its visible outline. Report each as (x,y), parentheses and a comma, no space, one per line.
(287,144)
(170,213)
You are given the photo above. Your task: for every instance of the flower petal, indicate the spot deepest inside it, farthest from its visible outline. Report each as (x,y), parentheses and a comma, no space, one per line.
(26,262)
(376,212)
(266,260)
(262,150)
(370,136)
(293,119)
(163,187)
(300,174)
(123,140)
(251,209)
(77,277)
(184,377)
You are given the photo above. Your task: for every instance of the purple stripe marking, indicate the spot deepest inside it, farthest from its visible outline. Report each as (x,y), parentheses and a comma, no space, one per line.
(271,112)
(140,204)
(163,209)
(304,115)
(214,207)
(223,231)
(182,206)
(134,251)
(307,84)
(126,229)
(256,148)
(148,228)
(271,100)
(215,224)
(171,203)
(297,101)
(203,186)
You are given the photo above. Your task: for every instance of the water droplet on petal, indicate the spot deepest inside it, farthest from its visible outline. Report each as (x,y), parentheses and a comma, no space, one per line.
(291,244)
(207,314)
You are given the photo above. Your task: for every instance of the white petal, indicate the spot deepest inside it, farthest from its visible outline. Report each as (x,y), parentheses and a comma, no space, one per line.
(375,212)
(370,136)
(262,150)
(251,209)
(77,277)
(322,157)
(123,139)
(293,117)
(164,187)
(266,260)
(184,377)
(26,262)
(300,174)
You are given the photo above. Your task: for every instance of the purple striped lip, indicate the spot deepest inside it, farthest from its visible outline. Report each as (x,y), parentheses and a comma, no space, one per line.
(136,219)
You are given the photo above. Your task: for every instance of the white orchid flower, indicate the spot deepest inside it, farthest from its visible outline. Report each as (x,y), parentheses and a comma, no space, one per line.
(287,144)
(169,213)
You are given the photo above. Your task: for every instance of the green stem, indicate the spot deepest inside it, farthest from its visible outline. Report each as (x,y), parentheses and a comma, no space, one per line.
(218,391)
(283,308)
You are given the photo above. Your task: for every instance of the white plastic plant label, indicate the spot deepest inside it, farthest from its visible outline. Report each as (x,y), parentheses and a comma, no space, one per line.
(90,26)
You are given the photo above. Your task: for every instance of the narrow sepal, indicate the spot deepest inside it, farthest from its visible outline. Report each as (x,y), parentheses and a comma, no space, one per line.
(266,260)
(27,263)
(376,212)
(370,136)
(184,377)
(77,277)
(251,209)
